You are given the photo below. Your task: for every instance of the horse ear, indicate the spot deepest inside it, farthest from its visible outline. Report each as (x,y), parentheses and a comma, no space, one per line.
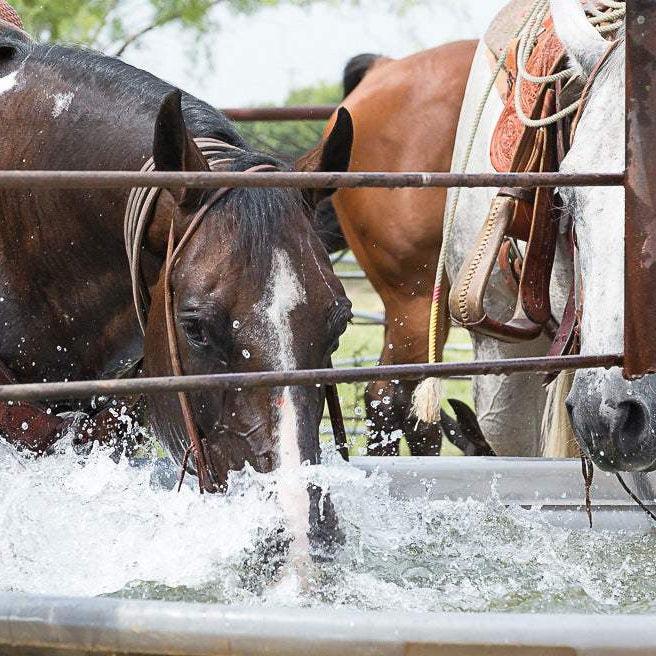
(336,153)
(173,147)
(333,154)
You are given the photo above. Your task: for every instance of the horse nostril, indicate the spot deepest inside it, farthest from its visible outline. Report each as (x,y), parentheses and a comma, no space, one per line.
(630,422)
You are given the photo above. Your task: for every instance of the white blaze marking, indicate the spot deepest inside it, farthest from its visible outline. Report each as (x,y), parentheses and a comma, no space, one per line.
(62,103)
(8,82)
(284,293)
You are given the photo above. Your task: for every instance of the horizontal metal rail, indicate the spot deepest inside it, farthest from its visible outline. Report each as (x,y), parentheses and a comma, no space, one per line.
(292,113)
(210,180)
(374,318)
(301,377)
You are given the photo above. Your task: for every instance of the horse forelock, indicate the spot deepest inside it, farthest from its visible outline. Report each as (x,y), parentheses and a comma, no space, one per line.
(260,218)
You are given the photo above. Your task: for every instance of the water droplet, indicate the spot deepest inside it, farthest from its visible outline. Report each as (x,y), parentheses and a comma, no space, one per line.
(24,425)
(236,325)
(246,354)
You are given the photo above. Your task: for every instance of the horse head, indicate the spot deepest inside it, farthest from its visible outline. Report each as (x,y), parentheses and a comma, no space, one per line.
(613,419)
(251,290)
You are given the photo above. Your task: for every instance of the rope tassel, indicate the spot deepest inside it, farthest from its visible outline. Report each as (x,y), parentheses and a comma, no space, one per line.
(427,400)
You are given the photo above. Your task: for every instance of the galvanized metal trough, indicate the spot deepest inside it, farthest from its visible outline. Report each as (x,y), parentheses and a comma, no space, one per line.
(31,625)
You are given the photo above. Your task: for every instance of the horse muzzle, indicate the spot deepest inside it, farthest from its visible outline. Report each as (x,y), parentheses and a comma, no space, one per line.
(614,420)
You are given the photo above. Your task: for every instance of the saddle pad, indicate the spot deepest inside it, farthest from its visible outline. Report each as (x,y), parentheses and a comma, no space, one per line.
(505,24)
(8,15)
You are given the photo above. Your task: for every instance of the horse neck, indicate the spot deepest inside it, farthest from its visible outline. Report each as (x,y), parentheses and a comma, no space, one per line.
(66,301)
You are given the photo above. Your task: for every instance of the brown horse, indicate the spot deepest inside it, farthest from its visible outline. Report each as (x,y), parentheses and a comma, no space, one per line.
(405,114)
(252,290)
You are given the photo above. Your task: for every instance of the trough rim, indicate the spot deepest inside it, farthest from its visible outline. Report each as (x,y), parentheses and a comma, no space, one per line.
(106,625)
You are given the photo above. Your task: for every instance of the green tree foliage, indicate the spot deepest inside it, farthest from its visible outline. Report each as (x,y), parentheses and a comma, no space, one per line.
(290,139)
(114,25)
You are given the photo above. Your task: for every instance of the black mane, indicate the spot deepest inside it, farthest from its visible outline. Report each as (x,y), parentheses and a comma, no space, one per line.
(258,213)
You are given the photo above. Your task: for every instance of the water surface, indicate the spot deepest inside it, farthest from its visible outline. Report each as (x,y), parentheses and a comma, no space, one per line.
(88,526)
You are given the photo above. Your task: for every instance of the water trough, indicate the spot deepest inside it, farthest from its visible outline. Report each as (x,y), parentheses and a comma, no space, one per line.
(35,624)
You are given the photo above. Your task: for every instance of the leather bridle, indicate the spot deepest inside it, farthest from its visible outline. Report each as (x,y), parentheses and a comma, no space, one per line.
(139,212)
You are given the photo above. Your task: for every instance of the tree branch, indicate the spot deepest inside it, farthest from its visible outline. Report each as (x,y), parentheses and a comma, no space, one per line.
(157,23)
(94,37)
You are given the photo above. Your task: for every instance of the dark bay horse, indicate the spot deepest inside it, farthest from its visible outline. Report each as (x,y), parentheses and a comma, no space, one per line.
(405,115)
(252,290)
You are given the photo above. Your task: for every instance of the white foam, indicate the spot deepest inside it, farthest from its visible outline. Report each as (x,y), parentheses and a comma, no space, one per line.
(87,526)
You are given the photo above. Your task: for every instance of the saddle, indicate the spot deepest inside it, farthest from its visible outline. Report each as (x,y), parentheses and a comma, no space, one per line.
(9,15)
(35,428)
(519,214)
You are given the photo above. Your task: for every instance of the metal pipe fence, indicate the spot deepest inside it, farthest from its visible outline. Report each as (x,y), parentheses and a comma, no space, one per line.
(301,377)
(297,180)
(291,113)
(639,220)
(128,179)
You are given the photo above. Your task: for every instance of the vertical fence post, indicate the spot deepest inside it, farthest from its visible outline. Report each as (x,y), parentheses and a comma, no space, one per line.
(640,225)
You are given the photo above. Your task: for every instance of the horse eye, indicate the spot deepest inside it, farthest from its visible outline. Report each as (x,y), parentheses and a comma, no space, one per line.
(194,331)
(338,330)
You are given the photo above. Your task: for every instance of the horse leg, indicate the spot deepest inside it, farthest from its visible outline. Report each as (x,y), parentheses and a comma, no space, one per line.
(389,416)
(382,417)
(424,439)
(389,403)
(510,408)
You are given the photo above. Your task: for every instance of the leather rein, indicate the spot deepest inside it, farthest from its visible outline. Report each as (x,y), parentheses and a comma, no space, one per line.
(139,212)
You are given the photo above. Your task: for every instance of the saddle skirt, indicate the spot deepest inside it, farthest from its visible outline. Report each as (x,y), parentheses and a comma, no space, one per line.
(9,15)
(546,58)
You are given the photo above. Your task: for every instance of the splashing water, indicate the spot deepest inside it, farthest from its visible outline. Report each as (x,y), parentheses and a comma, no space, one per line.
(90,526)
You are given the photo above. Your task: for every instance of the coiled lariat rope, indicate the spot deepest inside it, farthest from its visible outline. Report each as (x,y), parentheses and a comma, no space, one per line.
(612,21)
(426,399)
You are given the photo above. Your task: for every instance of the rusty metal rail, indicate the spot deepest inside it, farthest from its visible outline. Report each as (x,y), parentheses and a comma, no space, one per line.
(301,377)
(292,113)
(128,179)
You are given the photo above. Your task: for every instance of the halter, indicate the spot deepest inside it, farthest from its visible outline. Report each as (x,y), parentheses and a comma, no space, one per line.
(138,215)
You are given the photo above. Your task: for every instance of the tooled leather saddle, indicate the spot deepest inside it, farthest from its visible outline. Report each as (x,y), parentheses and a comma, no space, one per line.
(521,214)
(9,15)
